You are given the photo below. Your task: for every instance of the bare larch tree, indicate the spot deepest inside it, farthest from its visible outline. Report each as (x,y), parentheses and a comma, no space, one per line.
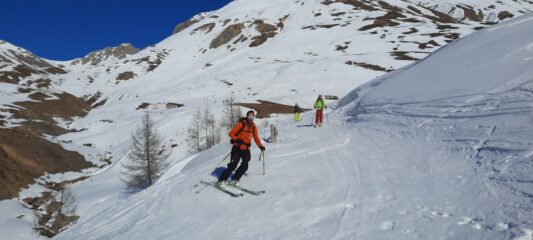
(67,202)
(194,131)
(57,214)
(232,113)
(203,132)
(148,156)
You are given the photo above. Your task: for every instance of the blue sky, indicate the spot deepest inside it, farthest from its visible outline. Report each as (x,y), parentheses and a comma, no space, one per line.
(67,29)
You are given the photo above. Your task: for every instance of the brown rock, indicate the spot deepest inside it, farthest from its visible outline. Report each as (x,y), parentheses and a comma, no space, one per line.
(126,75)
(171,105)
(504,15)
(207,28)
(143,105)
(184,25)
(229,33)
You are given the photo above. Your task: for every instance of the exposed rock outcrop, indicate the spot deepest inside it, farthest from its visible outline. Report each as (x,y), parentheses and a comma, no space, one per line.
(96,57)
(229,33)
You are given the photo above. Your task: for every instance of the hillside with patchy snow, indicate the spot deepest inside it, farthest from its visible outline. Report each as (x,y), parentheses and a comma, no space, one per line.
(450,106)
(257,51)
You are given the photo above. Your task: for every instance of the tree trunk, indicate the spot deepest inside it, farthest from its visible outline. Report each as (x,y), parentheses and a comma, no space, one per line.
(148,156)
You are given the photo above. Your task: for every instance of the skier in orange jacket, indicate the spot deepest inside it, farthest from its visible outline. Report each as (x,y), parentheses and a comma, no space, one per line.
(241,139)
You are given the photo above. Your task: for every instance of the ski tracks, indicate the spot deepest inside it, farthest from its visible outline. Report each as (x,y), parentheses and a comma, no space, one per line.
(348,175)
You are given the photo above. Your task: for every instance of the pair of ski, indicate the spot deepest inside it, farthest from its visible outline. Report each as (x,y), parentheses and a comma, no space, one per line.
(225,189)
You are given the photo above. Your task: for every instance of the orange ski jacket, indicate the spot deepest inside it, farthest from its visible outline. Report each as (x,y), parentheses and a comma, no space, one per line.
(245,133)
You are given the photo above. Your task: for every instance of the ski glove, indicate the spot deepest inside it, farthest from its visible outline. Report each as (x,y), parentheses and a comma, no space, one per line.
(262,148)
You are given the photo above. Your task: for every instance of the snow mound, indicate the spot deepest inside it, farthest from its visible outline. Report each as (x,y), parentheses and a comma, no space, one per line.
(474,97)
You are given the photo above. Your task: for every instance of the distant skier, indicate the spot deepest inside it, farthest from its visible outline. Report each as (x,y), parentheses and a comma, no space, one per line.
(241,138)
(297,112)
(320,105)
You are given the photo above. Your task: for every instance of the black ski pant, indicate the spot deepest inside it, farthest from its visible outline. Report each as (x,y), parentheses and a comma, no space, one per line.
(236,155)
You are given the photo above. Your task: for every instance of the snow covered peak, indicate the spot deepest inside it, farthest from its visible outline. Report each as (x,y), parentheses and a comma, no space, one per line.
(18,64)
(255,23)
(188,23)
(5,46)
(12,54)
(109,53)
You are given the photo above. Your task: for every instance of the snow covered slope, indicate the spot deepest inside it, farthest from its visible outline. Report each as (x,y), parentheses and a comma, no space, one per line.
(424,152)
(259,50)
(282,51)
(252,45)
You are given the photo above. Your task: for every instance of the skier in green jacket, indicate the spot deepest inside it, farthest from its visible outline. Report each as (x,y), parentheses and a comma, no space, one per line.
(320,105)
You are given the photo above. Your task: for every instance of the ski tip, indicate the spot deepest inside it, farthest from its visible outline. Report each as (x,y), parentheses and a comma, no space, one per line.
(237,195)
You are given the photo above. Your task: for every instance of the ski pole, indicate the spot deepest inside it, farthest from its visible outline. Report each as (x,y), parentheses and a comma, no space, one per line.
(221,161)
(327,115)
(218,165)
(263,153)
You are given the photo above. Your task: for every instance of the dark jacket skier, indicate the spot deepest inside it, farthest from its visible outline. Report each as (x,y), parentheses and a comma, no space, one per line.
(297,112)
